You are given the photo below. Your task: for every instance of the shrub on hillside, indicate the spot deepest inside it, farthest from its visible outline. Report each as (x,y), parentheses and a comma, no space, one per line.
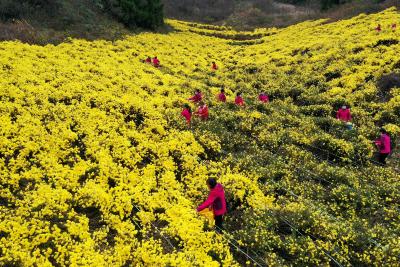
(17,9)
(10,9)
(136,13)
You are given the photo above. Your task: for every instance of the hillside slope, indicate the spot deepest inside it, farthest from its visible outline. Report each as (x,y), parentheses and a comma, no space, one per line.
(250,14)
(57,21)
(98,168)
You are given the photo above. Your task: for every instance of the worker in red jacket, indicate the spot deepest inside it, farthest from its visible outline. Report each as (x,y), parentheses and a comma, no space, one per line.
(216,200)
(156,62)
(384,146)
(148,60)
(394,26)
(263,97)
(187,114)
(378,28)
(222,96)
(197,97)
(239,99)
(344,114)
(202,112)
(214,66)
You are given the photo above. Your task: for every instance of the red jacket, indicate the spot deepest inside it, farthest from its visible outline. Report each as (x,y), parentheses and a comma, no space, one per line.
(222,97)
(384,144)
(343,114)
(156,62)
(196,98)
(263,98)
(214,67)
(188,116)
(148,60)
(239,101)
(203,112)
(216,199)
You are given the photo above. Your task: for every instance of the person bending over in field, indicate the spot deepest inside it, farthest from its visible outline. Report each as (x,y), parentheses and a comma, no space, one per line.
(202,112)
(222,96)
(156,62)
(216,200)
(263,97)
(378,28)
(344,114)
(214,66)
(187,114)
(148,60)
(394,26)
(197,97)
(239,99)
(384,146)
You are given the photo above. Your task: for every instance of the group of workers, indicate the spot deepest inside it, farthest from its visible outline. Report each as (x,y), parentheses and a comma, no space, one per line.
(155,61)
(383,143)
(379,27)
(343,114)
(202,109)
(216,198)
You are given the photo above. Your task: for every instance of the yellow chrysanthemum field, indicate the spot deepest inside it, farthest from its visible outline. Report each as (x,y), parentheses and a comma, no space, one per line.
(98,167)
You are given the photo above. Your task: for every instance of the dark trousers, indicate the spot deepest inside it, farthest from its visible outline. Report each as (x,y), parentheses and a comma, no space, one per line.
(218,223)
(382,158)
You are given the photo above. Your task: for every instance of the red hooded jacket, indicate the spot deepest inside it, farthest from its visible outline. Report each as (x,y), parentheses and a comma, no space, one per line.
(203,112)
(343,114)
(263,98)
(222,97)
(216,199)
(214,66)
(196,98)
(384,144)
(239,101)
(156,62)
(188,116)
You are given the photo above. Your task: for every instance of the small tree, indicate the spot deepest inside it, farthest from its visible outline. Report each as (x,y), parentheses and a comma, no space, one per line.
(326,4)
(142,13)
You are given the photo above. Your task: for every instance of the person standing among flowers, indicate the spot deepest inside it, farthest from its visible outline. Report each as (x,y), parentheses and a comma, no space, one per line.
(197,97)
(384,146)
(202,112)
(216,200)
(239,99)
(344,114)
(156,62)
(263,97)
(222,96)
(187,114)
(148,60)
(214,66)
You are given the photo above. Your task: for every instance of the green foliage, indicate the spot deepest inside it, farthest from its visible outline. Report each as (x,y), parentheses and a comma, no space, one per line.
(17,9)
(147,14)
(133,13)
(136,13)
(326,4)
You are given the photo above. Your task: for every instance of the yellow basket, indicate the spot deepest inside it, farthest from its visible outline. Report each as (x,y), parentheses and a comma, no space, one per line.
(208,214)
